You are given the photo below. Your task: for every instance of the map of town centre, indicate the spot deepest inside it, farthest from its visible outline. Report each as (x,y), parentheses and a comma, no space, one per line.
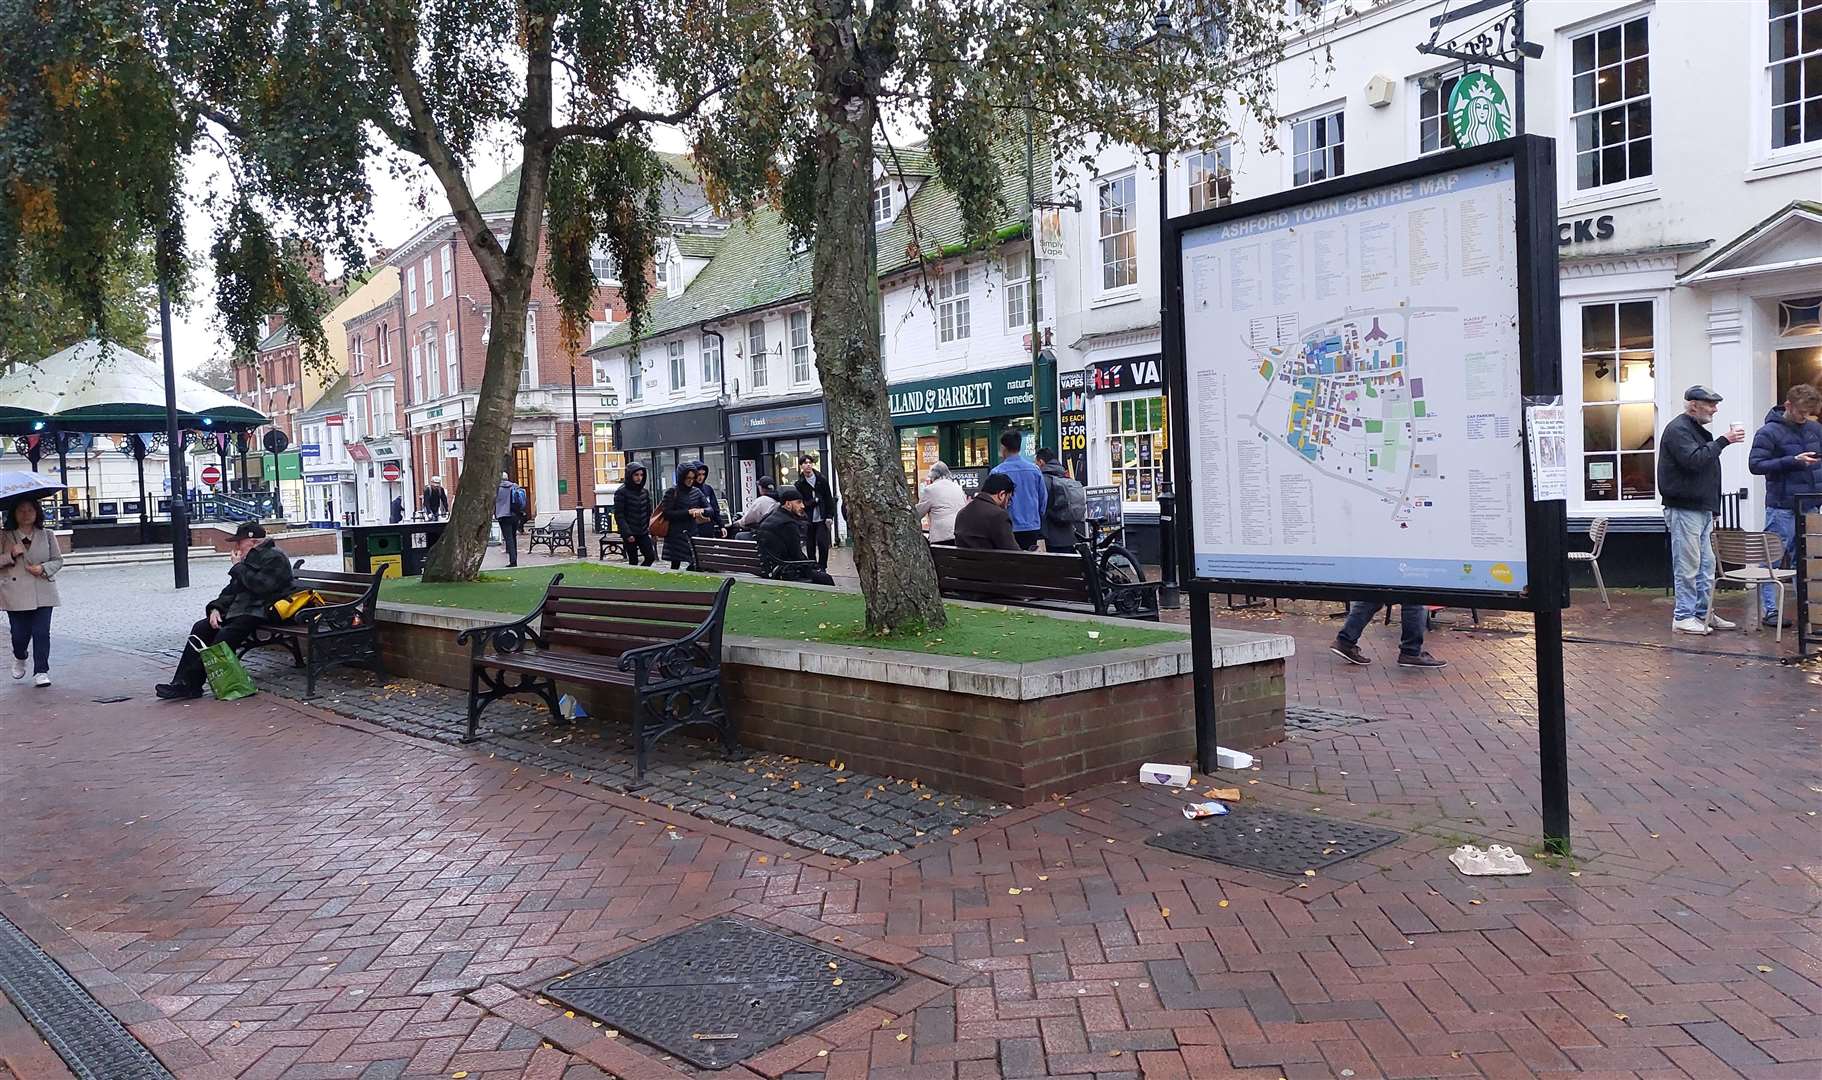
(1341,398)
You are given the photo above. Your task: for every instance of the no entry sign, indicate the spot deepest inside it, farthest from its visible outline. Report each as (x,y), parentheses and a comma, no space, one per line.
(390,473)
(211,475)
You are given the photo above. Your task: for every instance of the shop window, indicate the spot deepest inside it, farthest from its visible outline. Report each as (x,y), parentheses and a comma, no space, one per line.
(1610,104)
(1135,447)
(1211,177)
(1619,402)
(1119,229)
(1795,59)
(1317,144)
(1434,132)
(952,318)
(974,446)
(607,462)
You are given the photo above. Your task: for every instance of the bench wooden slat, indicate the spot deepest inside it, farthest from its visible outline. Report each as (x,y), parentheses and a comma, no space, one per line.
(698,598)
(630,613)
(339,576)
(660,631)
(1016,590)
(567,668)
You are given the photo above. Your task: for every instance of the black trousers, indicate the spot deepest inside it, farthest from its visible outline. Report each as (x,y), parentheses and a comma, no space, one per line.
(509,539)
(33,629)
(233,632)
(637,546)
(1028,539)
(816,540)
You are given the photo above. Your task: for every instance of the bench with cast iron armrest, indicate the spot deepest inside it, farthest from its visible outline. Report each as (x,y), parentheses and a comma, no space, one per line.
(555,531)
(717,556)
(1068,582)
(662,644)
(608,532)
(339,631)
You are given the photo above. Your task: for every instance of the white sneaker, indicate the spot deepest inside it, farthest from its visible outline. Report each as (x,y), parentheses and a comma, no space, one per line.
(1715,622)
(1691,625)
(43,678)
(18,669)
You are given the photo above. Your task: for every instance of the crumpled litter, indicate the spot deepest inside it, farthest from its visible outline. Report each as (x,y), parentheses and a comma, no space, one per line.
(1497,860)
(1196,810)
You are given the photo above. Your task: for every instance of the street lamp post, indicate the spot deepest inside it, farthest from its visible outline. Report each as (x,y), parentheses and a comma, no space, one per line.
(575,424)
(1169,595)
(180,517)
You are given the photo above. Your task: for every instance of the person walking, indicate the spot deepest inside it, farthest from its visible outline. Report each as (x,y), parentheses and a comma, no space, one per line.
(1413,620)
(509,508)
(435,500)
(941,500)
(819,507)
(762,506)
(29,561)
(398,509)
(717,520)
(260,577)
(1689,485)
(686,512)
(1065,504)
(1028,496)
(984,524)
(633,516)
(780,537)
(1787,452)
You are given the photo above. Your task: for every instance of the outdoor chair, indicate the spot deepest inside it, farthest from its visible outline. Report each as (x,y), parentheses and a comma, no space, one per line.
(1754,557)
(1597,536)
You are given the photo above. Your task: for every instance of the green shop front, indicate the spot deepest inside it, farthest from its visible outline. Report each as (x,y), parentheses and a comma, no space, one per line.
(958,419)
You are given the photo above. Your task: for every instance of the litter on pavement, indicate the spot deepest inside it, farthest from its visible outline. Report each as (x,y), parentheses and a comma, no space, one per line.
(1495,861)
(1169,775)
(1196,810)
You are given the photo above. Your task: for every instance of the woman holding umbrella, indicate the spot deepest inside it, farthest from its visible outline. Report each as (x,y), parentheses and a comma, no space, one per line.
(29,561)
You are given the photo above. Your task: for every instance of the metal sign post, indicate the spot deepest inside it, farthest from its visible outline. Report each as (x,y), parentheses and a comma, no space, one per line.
(1359,406)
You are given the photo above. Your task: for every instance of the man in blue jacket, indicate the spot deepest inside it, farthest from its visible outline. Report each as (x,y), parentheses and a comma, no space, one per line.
(1028,494)
(1787,452)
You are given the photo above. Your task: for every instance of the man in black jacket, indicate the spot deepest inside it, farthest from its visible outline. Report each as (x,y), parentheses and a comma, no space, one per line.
(819,508)
(435,501)
(1689,484)
(984,524)
(260,577)
(633,516)
(780,538)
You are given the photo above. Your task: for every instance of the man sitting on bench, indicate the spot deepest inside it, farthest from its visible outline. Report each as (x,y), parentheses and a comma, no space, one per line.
(260,577)
(984,523)
(780,538)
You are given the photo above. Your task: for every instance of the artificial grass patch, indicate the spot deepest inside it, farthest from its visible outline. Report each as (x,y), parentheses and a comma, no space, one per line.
(761,609)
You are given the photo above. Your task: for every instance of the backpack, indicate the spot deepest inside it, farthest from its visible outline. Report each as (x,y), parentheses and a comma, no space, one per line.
(1067,503)
(517,501)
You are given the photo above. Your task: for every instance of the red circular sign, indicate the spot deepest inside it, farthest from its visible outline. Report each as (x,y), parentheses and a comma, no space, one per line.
(211,475)
(390,473)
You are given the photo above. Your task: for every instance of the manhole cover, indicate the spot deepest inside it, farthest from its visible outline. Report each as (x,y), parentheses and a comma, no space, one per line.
(722,991)
(86,1036)
(1274,841)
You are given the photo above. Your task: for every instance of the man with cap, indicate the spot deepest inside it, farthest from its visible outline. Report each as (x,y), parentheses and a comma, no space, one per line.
(984,524)
(435,500)
(1689,484)
(780,538)
(260,577)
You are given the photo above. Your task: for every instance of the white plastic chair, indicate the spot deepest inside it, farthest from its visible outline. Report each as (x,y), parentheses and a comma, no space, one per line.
(1597,534)
(1755,557)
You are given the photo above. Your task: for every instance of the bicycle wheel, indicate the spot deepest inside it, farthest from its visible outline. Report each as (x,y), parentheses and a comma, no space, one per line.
(1118,567)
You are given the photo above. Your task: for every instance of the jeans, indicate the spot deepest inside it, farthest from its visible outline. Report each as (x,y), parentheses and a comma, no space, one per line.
(1784,524)
(509,539)
(1413,620)
(233,631)
(1028,538)
(637,546)
(1691,560)
(32,628)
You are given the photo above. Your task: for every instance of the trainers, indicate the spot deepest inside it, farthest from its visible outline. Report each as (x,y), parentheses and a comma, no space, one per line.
(18,667)
(1715,622)
(176,692)
(1691,625)
(1770,622)
(43,678)
(1422,660)
(1350,653)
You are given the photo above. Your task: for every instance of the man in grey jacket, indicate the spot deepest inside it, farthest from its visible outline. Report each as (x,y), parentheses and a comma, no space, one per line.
(509,510)
(260,577)
(1689,484)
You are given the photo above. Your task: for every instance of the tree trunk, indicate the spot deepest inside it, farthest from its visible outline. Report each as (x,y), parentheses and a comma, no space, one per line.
(457,556)
(897,576)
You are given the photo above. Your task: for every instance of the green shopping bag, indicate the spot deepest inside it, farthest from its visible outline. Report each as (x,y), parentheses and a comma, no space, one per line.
(228,680)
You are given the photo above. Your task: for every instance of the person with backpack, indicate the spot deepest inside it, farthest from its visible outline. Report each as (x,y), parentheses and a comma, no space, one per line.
(1065,506)
(633,515)
(509,509)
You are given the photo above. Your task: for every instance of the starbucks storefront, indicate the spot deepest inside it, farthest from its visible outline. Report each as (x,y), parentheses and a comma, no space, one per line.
(958,419)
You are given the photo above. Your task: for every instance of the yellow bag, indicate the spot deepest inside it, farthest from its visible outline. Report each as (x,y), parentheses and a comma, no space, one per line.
(295,603)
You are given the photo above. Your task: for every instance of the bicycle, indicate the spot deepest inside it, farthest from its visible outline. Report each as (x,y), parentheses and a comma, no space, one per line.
(1117,565)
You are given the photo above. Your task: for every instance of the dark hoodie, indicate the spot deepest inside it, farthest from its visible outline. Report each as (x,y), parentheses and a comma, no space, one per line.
(708,490)
(1774,456)
(633,503)
(255,583)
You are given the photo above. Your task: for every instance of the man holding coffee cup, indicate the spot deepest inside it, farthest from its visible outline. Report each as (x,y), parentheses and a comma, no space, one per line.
(1689,483)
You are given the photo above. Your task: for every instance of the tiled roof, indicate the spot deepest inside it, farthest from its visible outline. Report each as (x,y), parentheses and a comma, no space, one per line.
(684,195)
(755,268)
(334,400)
(283,336)
(698,245)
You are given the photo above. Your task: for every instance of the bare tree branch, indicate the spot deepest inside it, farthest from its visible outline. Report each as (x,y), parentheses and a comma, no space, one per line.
(611,129)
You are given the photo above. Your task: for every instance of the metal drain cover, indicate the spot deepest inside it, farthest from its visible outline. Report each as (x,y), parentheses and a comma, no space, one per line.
(86,1036)
(722,991)
(1274,841)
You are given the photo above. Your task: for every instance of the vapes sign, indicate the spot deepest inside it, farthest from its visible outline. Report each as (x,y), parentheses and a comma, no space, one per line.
(1132,373)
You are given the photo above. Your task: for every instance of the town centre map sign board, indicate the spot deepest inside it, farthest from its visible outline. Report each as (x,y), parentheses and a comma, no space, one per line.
(1355,370)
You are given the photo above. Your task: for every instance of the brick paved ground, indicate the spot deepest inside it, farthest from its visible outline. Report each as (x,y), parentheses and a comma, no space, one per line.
(265,889)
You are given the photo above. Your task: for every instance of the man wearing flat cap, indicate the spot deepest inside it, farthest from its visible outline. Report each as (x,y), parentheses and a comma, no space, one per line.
(1689,483)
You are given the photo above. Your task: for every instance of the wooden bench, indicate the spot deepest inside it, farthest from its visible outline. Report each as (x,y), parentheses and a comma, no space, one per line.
(718,556)
(340,631)
(1070,582)
(555,531)
(662,644)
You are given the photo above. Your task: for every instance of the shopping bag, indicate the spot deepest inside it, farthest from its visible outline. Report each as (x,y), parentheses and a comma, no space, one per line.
(228,679)
(295,603)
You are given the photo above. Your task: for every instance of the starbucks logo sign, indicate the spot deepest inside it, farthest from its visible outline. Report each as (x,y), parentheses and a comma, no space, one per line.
(1478,111)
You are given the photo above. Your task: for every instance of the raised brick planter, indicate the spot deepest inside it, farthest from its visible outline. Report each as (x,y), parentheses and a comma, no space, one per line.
(1015,733)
